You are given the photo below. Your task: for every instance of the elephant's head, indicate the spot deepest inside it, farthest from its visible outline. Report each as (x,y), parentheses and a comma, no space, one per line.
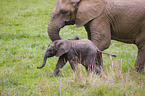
(69,12)
(56,48)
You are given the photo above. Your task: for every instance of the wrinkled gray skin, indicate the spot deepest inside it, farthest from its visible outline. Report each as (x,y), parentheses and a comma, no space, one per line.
(122,20)
(75,51)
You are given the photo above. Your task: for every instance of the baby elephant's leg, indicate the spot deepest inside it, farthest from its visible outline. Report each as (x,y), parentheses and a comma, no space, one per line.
(91,65)
(73,62)
(61,62)
(73,65)
(99,60)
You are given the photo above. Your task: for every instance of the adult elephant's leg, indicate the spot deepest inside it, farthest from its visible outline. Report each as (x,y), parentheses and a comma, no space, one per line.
(140,42)
(140,62)
(99,33)
(99,59)
(88,31)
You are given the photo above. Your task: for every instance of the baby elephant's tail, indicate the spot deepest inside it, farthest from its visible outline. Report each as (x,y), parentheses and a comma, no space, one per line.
(106,53)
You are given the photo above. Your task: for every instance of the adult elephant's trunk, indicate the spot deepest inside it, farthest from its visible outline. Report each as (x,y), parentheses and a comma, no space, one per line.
(53,32)
(54,27)
(44,62)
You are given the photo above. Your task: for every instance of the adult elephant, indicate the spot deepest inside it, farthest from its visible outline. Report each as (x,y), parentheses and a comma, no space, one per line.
(122,20)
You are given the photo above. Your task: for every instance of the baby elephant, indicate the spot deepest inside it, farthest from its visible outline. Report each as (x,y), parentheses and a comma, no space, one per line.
(75,51)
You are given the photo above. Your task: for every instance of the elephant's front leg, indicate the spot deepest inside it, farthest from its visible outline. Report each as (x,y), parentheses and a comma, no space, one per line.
(99,33)
(61,62)
(140,62)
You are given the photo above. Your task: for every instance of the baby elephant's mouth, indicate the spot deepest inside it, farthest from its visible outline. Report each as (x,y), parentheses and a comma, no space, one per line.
(50,55)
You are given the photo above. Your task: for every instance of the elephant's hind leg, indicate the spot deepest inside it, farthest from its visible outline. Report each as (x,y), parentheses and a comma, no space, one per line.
(140,62)
(99,60)
(140,42)
(92,67)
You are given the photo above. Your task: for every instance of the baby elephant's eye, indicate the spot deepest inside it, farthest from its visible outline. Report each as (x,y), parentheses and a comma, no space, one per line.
(50,50)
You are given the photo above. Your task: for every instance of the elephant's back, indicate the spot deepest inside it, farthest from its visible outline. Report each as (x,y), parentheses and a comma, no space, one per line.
(84,45)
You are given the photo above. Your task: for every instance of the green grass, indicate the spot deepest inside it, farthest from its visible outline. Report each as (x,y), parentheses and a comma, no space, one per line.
(23,41)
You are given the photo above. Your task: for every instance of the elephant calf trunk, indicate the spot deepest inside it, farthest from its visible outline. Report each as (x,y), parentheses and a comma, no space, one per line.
(44,62)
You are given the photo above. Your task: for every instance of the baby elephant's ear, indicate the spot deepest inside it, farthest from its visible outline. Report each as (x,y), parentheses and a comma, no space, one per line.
(63,46)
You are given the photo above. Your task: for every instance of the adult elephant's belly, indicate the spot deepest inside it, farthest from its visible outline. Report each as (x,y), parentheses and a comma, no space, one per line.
(125,40)
(126,37)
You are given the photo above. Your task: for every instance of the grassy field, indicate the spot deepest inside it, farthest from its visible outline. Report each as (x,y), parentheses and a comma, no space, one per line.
(23,41)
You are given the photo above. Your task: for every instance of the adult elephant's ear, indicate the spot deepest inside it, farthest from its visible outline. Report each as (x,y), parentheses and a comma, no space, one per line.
(88,10)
